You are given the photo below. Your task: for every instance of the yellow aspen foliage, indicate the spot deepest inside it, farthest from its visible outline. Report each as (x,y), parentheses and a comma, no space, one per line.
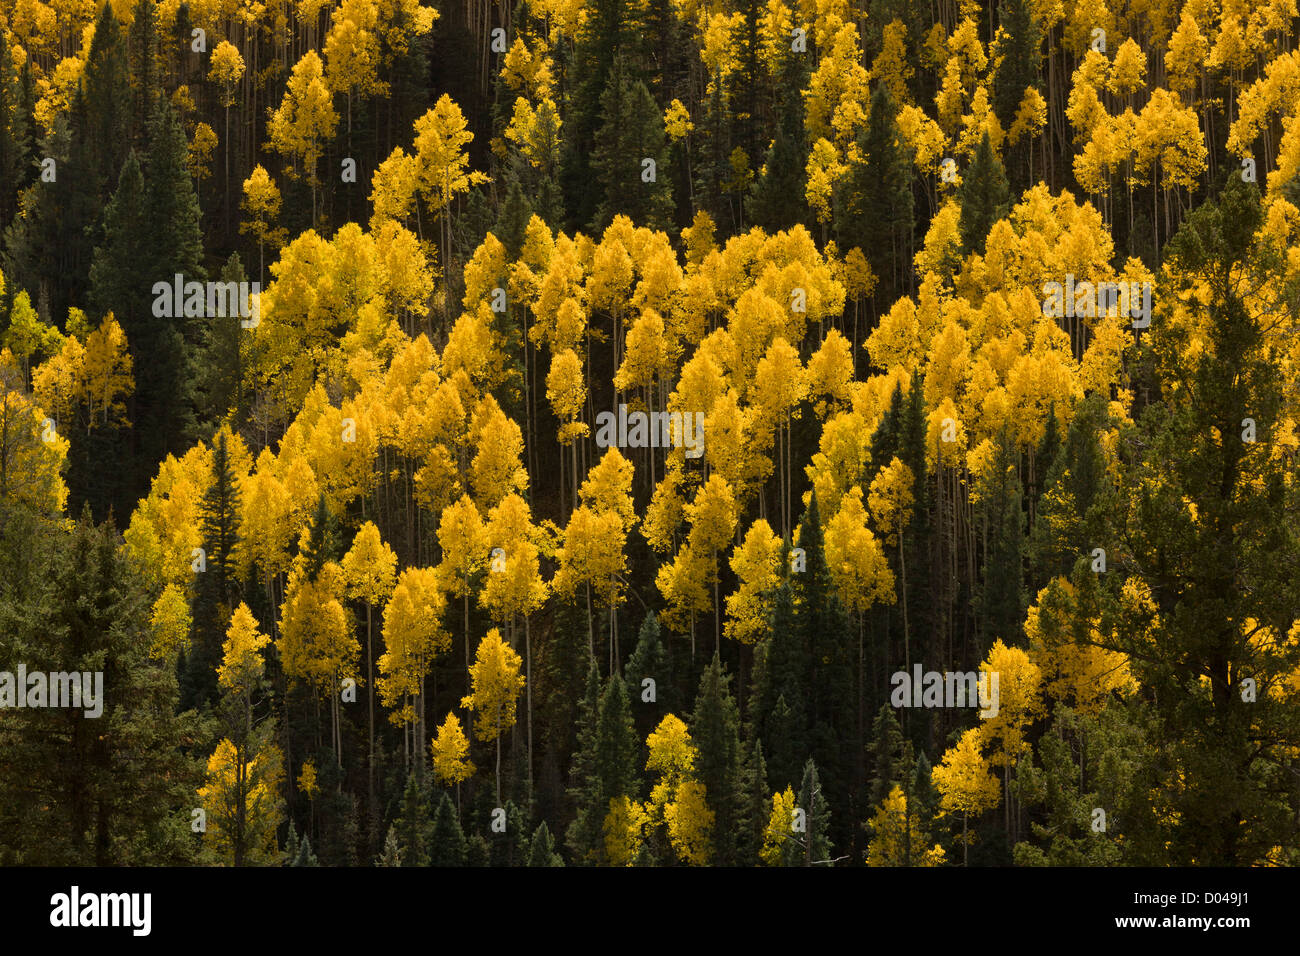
(164,528)
(107,368)
(1076,667)
(1019,701)
(536,132)
(316,642)
(495,687)
(441,136)
(369,567)
(891,66)
(825,168)
(59,93)
(242,801)
(241,665)
(624,830)
(677,121)
(169,621)
(1030,118)
(450,752)
(566,390)
(756,562)
(527,71)
(1188,51)
(27,336)
(413,638)
(1128,70)
(893,830)
(266,528)
(830,370)
(690,824)
(58,383)
(462,539)
(352,50)
(861,574)
(307,782)
(514,587)
(305,119)
(890,498)
(664,514)
(979,121)
(393,186)
(496,470)
(963,779)
(261,208)
(923,137)
(779,827)
(840,459)
(677,799)
(199,155)
(226,69)
(939,254)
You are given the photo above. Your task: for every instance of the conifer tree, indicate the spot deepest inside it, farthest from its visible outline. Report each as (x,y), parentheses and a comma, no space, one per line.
(984,196)
(541,848)
(446,838)
(218,583)
(873,204)
(632,133)
(716,732)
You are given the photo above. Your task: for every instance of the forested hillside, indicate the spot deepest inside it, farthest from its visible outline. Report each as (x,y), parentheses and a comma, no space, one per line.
(605,432)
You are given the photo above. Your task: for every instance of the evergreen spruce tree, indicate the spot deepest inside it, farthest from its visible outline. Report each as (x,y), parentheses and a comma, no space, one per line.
(217,585)
(755,805)
(616,744)
(102,791)
(143,57)
(585,835)
(411,828)
(107,82)
(304,856)
(446,839)
(812,847)
(873,204)
(541,848)
(984,197)
(715,729)
(1000,599)
(511,847)
(633,132)
(392,852)
(649,660)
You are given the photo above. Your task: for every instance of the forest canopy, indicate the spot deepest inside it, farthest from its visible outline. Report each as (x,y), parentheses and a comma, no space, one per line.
(558,432)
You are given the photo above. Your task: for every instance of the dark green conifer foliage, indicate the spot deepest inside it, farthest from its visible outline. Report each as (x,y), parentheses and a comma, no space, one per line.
(984,197)
(633,132)
(812,847)
(412,825)
(446,839)
(616,743)
(112,790)
(1212,574)
(541,848)
(585,837)
(649,661)
(14,137)
(217,586)
(755,805)
(1000,600)
(873,205)
(715,730)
